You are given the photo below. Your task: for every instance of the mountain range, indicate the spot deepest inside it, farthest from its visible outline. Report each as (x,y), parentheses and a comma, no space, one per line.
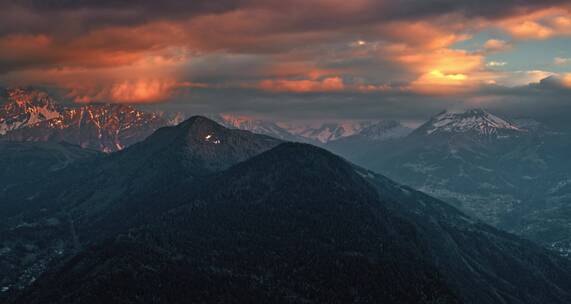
(32,115)
(214,213)
(204,213)
(512,174)
(317,133)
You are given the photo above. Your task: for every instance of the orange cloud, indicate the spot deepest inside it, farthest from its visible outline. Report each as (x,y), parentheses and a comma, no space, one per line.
(437,83)
(566,80)
(530,30)
(445,71)
(24,42)
(374,88)
(496,45)
(295,46)
(447,61)
(329,84)
(107,47)
(542,24)
(287,67)
(138,91)
(423,34)
(150,79)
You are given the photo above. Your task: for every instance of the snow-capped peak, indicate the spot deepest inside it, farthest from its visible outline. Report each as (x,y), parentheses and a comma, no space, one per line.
(385,129)
(31,115)
(242,122)
(26,108)
(315,132)
(254,125)
(331,131)
(477,121)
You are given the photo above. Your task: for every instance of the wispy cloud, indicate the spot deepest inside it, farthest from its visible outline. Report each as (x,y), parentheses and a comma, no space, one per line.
(496,64)
(497,45)
(561,61)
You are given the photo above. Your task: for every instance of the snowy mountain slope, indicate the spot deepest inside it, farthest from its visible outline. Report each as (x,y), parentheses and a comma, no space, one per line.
(31,115)
(475,121)
(383,130)
(327,132)
(256,126)
(317,133)
(26,108)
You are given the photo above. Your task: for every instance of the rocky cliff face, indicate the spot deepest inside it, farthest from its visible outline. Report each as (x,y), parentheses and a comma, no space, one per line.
(30,115)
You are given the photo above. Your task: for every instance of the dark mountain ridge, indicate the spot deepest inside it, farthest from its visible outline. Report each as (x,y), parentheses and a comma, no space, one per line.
(290,225)
(299,224)
(100,197)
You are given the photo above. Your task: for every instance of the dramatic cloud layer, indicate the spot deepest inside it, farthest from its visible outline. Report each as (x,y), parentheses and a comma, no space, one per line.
(323,57)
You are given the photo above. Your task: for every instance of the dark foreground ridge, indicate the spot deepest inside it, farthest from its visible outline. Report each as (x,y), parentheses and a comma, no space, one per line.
(294,224)
(299,224)
(103,195)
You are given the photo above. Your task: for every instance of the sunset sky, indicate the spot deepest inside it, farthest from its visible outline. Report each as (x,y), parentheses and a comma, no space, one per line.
(300,59)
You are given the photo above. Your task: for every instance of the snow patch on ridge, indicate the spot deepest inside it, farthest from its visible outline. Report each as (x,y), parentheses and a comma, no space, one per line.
(475,120)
